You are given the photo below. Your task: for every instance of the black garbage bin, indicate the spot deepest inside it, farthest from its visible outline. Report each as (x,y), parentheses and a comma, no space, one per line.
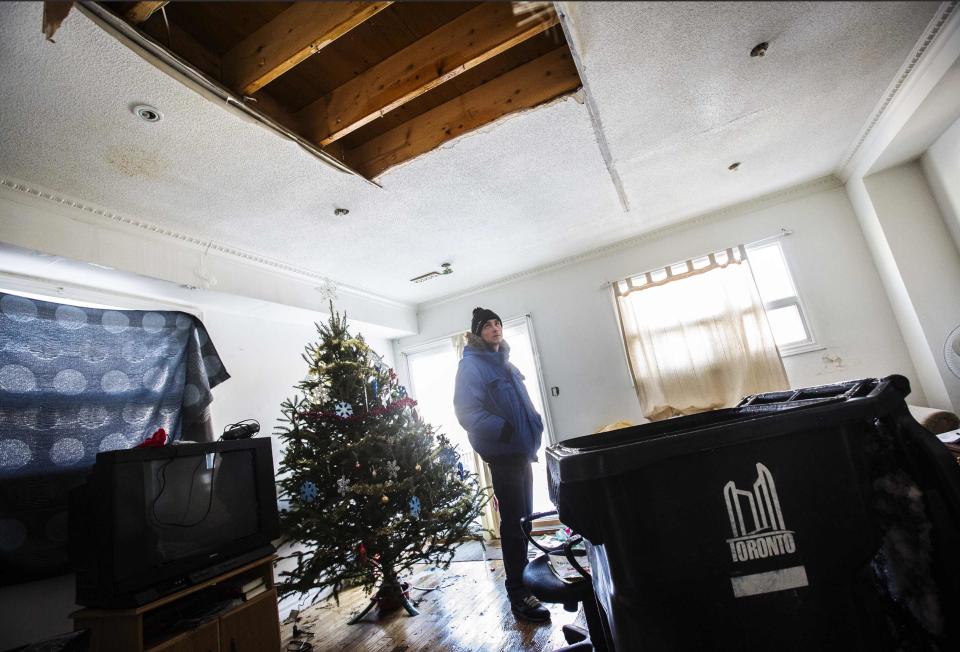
(818,519)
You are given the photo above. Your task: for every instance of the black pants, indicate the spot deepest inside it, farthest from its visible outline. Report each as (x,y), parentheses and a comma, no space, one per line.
(513,487)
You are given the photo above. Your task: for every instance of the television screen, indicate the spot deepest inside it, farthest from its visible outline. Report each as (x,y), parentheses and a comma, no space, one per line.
(165,517)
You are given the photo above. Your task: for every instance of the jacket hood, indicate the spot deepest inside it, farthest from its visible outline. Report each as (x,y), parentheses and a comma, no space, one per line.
(476,342)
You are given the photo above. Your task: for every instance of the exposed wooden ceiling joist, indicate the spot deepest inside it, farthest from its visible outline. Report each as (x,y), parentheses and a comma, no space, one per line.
(533,83)
(473,38)
(185,45)
(395,84)
(141,11)
(297,33)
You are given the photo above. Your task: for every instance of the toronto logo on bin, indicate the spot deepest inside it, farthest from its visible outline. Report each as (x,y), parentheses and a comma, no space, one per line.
(756,520)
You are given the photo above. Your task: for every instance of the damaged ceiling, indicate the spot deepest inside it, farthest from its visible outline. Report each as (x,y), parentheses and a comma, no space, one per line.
(373,84)
(670,99)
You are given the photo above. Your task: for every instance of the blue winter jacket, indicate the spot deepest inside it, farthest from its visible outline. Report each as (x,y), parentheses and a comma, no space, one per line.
(489,394)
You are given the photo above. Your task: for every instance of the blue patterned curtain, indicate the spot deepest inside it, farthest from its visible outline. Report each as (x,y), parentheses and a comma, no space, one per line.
(75,381)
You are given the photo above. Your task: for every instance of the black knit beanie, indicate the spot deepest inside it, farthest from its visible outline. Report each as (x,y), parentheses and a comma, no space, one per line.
(480,317)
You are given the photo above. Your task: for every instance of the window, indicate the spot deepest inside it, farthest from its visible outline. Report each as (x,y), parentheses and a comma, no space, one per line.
(783,306)
(697,336)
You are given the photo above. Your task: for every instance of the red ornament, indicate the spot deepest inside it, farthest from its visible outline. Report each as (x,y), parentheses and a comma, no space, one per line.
(156,440)
(362,554)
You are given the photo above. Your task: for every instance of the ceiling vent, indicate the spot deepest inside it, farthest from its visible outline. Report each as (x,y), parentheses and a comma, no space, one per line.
(445,269)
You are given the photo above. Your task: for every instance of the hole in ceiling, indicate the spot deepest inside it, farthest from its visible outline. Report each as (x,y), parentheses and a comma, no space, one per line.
(148,113)
(733,167)
(759,50)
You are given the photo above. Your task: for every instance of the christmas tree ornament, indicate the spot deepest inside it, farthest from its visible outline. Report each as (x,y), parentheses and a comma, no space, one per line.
(460,470)
(362,553)
(415,507)
(417,468)
(343,486)
(392,469)
(308,492)
(384,499)
(344,409)
(373,472)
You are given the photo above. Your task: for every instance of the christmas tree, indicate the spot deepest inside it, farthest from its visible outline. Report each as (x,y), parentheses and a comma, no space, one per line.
(372,488)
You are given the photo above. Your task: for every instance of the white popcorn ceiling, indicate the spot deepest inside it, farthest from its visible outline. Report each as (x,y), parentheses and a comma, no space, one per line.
(676,92)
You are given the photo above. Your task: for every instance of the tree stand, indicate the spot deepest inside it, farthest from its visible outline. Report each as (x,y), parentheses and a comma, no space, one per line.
(390,596)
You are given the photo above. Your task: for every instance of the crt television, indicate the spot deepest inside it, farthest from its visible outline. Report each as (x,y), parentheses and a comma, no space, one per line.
(151,521)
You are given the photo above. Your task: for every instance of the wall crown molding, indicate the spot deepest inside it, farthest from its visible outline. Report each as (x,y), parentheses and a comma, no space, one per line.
(101,217)
(925,55)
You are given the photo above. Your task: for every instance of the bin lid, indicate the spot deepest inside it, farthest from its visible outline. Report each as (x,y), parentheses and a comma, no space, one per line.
(595,456)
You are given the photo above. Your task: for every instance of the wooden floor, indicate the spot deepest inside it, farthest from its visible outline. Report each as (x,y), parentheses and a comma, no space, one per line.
(466,612)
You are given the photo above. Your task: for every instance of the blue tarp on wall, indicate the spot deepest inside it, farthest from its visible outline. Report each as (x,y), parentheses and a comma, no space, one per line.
(75,381)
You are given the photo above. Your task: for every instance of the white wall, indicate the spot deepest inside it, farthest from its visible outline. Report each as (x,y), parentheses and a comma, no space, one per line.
(576,326)
(928,375)
(926,258)
(941,166)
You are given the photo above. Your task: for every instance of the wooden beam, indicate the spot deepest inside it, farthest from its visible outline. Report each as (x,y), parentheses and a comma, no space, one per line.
(300,31)
(180,42)
(141,11)
(533,83)
(464,43)
(54,13)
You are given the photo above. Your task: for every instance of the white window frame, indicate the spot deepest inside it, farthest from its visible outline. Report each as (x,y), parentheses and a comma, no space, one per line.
(794,348)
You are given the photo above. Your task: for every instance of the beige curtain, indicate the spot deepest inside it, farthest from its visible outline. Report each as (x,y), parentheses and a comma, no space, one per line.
(490,518)
(697,336)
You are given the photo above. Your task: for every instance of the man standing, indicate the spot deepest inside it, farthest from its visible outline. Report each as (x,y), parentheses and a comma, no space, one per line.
(494,408)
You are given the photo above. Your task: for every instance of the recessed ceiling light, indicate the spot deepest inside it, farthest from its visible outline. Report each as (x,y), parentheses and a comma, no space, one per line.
(341,211)
(148,113)
(733,167)
(759,50)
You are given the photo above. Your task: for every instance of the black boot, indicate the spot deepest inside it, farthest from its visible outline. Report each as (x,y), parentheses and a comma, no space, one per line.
(529,608)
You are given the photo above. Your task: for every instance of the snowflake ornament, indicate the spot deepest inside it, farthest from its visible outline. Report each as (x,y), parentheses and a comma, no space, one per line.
(392,469)
(343,486)
(319,394)
(344,409)
(308,491)
(415,507)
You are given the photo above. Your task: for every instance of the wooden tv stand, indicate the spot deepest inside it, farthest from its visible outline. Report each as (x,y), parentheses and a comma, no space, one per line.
(250,626)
